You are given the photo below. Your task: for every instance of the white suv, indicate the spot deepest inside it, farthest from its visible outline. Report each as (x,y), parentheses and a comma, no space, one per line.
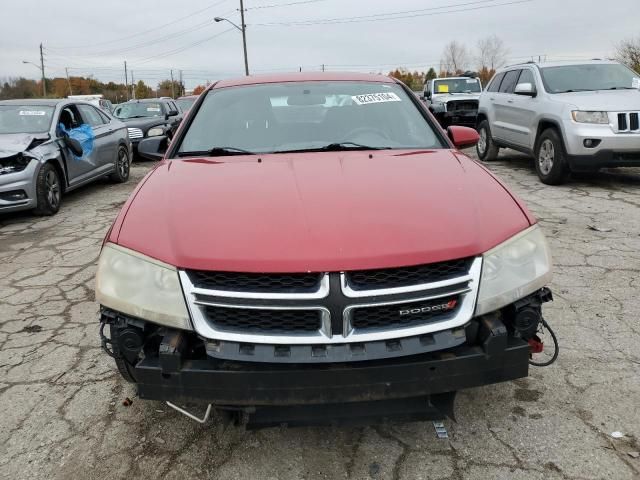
(571,116)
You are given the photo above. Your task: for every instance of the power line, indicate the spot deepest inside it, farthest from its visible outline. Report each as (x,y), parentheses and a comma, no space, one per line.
(393,15)
(290,4)
(182,49)
(142,32)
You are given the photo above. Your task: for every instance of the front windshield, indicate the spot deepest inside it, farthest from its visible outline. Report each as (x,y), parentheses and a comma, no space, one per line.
(588,77)
(25,118)
(457,85)
(138,110)
(299,116)
(185,103)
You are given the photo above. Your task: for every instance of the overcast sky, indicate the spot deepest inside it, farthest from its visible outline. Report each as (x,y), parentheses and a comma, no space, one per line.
(154,36)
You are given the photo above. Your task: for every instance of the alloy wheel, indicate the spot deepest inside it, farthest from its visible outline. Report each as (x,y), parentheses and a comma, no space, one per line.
(482,143)
(53,189)
(546,156)
(123,163)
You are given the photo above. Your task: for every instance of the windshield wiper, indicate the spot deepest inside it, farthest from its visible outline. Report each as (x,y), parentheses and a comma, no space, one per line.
(216,152)
(621,88)
(335,147)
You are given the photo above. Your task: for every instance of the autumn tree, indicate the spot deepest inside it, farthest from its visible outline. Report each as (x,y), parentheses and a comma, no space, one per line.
(431,74)
(199,89)
(143,90)
(414,80)
(628,52)
(165,89)
(455,58)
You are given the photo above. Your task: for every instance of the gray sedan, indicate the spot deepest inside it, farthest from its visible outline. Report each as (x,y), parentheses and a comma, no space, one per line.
(50,147)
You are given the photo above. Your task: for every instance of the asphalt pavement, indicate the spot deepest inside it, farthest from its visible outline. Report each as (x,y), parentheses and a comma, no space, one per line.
(63,415)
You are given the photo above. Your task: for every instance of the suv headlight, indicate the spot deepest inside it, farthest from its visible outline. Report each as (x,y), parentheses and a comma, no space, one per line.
(513,270)
(590,117)
(143,287)
(155,132)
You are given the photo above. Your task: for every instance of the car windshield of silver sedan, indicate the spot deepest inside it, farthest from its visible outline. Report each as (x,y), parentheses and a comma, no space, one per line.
(307,116)
(138,110)
(589,77)
(25,118)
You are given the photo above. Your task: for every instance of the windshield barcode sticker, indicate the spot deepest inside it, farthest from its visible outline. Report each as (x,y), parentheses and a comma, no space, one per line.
(37,113)
(375,98)
(635,82)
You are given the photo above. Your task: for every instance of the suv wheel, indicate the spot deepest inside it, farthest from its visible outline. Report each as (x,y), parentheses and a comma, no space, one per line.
(486,148)
(122,165)
(551,164)
(48,190)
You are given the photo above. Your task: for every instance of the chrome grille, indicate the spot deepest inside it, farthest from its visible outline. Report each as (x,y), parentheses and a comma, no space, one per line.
(256,282)
(135,133)
(405,276)
(252,320)
(628,122)
(333,311)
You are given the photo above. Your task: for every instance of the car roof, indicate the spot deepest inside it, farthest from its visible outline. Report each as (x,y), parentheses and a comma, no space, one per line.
(146,100)
(565,63)
(303,77)
(52,102)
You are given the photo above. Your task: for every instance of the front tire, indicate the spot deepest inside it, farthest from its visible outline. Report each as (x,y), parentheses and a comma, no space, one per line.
(48,191)
(486,148)
(551,162)
(122,165)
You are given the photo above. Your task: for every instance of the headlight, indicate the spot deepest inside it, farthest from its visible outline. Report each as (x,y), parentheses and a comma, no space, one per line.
(155,132)
(513,270)
(143,287)
(439,106)
(590,117)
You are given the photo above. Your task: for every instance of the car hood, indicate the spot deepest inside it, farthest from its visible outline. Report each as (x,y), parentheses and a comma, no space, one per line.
(444,98)
(318,211)
(14,143)
(603,100)
(143,123)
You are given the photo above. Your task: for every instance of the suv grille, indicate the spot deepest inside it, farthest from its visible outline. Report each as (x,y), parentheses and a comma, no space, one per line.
(135,133)
(256,282)
(629,122)
(272,321)
(407,314)
(455,105)
(406,276)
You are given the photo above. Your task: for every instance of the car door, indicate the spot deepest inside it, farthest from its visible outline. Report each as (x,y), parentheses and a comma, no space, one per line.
(103,142)
(501,102)
(78,168)
(522,112)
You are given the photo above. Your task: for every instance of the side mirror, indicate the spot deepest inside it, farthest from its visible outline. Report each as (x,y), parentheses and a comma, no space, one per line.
(172,113)
(463,137)
(74,145)
(427,95)
(526,89)
(153,148)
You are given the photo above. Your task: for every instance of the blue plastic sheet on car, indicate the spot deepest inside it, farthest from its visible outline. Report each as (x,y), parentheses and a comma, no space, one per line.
(83,134)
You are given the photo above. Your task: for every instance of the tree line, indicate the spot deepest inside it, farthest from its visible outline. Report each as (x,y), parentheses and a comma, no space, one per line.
(60,87)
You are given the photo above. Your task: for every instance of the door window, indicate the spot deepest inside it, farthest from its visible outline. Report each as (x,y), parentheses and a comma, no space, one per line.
(495,83)
(90,115)
(527,77)
(509,81)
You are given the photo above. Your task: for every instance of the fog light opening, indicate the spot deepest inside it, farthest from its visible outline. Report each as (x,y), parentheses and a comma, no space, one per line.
(591,142)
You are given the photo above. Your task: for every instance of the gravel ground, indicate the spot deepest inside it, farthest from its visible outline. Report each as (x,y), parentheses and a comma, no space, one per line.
(62,398)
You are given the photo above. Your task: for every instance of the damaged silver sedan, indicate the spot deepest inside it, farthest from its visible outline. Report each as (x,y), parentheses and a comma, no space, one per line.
(50,147)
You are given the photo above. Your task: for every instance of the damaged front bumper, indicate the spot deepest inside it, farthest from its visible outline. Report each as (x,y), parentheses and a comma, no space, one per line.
(18,189)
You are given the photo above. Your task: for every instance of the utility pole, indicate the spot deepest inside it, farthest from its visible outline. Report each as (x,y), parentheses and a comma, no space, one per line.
(173,92)
(181,92)
(66,69)
(44,81)
(323,67)
(133,86)
(244,38)
(126,79)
